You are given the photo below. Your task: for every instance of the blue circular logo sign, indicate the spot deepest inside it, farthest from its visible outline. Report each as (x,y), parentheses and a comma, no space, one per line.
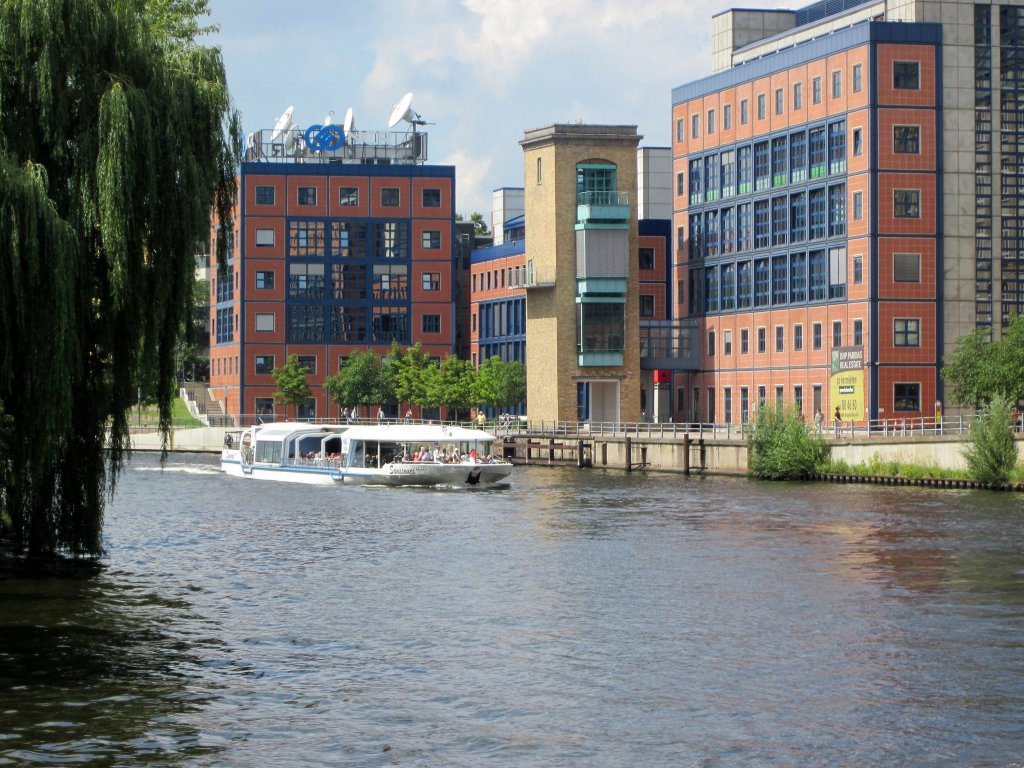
(320,138)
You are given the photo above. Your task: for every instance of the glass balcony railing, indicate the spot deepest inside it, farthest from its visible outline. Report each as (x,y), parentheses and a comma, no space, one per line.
(602,206)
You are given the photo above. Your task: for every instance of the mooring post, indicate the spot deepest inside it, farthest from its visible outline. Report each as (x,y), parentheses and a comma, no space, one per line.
(629,454)
(579,454)
(686,453)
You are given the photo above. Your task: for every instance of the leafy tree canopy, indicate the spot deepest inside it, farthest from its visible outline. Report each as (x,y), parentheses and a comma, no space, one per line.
(292,386)
(991,453)
(501,384)
(117,138)
(361,380)
(479,223)
(979,370)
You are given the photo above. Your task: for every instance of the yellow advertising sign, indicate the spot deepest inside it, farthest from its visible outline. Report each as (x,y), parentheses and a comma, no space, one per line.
(847,383)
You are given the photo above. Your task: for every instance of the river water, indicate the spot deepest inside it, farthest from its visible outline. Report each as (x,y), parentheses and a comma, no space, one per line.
(575,618)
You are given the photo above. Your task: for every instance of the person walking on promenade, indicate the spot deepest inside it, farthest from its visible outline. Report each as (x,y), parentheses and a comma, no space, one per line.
(380,414)
(819,419)
(838,422)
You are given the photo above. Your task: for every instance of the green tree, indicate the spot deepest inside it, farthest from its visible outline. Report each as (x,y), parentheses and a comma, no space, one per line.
(991,453)
(360,380)
(117,139)
(406,369)
(501,384)
(292,385)
(979,370)
(454,387)
(479,223)
(780,447)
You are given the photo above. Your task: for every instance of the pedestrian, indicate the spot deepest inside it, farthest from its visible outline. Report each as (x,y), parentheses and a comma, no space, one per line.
(838,421)
(819,419)
(380,414)
(938,416)
(481,419)
(344,414)
(408,415)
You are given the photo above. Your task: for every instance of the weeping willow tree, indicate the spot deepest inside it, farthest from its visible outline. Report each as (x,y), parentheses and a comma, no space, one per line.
(117,139)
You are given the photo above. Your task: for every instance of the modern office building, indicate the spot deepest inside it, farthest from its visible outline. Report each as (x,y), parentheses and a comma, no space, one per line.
(847,203)
(343,242)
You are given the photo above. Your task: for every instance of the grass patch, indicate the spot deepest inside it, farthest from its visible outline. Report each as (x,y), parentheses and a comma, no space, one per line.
(150,416)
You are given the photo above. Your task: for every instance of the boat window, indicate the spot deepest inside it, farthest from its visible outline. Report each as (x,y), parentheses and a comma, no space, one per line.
(268,452)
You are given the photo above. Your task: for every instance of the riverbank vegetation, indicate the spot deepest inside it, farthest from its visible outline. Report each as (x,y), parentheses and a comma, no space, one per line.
(117,140)
(781,447)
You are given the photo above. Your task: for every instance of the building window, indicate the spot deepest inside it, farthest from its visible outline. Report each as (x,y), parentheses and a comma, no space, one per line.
(264,279)
(858,333)
(389,197)
(816,90)
(431,281)
(727,342)
(762,395)
(779,101)
(264,237)
(858,142)
(727,117)
(264,195)
(646,258)
(307,195)
(906,75)
(348,196)
(540,168)
(646,305)
(837,210)
(431,198)
(680,130)
(780,338)
(858,205)
(798,95)
(906,397)
(711,343)
(695,126)
(798,398)
(711,121)
(307,363)
(681,183)
(761,106)
(727,404)
(744,112)
(906,268)
(906,332)
(264,321)
(798,338)
(837,333)
(432,239)
(431,323)
(744,341)
(858,78)
(264,363)
(858,270)
(906,203)
(762,340)
(779,394)
(816,336)
(906,139)
(837,84)
(264,406)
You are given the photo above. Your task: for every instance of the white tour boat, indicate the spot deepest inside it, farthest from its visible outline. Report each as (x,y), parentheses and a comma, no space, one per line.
(387,454)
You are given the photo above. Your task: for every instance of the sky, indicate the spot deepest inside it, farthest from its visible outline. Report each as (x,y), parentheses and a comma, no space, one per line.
(482,71)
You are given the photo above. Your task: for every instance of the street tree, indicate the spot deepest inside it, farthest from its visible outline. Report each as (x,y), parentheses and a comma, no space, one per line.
(501,384)
(359,381)
(117,139)
(979,370)
(454,386)
(406,369)
(292,384)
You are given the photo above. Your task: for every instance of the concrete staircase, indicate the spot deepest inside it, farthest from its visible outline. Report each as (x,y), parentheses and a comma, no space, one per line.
(204,406)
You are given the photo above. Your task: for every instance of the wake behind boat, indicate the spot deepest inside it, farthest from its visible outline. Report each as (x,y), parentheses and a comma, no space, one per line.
(389,454)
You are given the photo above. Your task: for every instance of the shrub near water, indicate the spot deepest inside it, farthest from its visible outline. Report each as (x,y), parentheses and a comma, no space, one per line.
(991,453)
(781,447)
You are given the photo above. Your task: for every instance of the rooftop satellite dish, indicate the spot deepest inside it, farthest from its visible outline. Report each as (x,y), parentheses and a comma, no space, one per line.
(350,122)
(403,111)
(282,124)
(330,118)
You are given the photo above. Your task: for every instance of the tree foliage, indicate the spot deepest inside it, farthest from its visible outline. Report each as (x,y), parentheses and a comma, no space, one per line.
(991,453)
(360,381)
(455,386)
(501,384)
(781,447)
(979,370)
(117,138)
(479,223)
(292,385)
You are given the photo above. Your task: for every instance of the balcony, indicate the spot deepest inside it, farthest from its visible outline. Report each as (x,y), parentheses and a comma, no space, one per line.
(538,276)
(607,208)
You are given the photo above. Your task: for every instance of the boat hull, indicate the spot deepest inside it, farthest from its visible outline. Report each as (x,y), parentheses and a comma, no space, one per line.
(408,473)
(304,475)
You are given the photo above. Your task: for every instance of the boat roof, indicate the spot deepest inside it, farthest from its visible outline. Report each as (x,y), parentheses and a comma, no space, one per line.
(279,430)
(414,433)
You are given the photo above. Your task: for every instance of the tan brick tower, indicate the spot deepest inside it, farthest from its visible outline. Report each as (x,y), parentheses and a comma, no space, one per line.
(582,314)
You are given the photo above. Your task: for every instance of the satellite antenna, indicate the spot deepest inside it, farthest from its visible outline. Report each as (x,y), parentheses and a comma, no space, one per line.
(330,118)
(403,111)
(350,122)
(284,122)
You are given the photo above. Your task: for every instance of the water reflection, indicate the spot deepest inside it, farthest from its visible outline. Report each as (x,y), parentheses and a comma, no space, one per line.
(575,618)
